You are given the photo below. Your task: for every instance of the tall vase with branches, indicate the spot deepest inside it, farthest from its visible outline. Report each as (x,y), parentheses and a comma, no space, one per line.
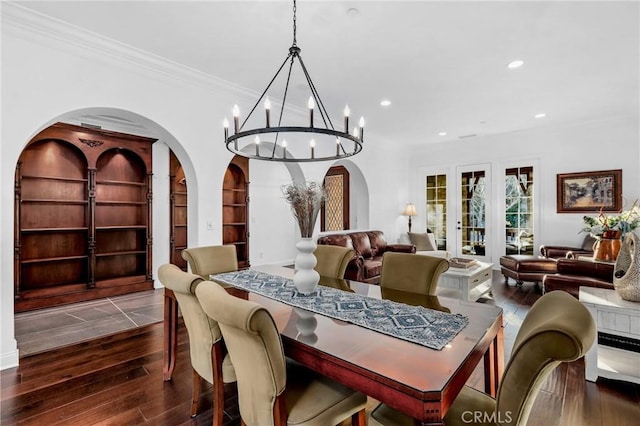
(305,200)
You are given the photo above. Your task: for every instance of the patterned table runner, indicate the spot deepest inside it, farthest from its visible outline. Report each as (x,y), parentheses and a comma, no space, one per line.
(426,327)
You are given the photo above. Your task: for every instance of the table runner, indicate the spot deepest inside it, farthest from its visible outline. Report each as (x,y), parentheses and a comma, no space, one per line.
(416,324)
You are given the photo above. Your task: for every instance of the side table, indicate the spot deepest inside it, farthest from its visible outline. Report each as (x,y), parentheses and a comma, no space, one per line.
(472,282)
(618,319)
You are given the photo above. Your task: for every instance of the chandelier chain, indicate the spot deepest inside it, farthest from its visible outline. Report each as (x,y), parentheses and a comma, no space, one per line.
(294,23)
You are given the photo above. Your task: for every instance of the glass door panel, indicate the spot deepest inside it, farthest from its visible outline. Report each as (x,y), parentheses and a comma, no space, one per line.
(519,218)
(472,235)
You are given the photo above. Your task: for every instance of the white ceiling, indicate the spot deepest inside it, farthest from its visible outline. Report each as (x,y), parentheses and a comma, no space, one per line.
(442,64)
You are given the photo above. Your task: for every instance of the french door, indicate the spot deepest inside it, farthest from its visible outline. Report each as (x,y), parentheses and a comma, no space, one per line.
(473,213)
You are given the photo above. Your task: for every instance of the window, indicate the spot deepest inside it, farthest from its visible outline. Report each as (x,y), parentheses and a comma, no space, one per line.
(519,210)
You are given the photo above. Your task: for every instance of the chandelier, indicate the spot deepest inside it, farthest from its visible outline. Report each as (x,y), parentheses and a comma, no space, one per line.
(323,143)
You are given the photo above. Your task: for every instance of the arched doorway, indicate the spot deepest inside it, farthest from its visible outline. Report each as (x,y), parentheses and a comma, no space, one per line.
(354,201)
(142,260)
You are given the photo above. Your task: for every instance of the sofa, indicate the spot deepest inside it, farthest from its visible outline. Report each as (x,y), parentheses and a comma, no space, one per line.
(573,273)
(369,246)
(557,252)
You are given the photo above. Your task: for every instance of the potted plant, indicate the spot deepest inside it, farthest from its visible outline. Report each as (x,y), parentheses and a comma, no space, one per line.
(609,229)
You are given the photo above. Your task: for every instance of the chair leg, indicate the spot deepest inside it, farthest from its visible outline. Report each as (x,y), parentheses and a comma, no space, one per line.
(359,418)
(195,393)
(217,355)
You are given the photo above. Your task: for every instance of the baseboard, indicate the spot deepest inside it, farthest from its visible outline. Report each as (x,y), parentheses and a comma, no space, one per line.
(10,359)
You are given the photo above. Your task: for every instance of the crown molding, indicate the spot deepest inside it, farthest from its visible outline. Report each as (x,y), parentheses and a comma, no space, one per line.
(31,25)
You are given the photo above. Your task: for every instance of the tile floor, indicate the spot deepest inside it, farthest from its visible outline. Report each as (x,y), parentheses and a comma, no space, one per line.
(45,329)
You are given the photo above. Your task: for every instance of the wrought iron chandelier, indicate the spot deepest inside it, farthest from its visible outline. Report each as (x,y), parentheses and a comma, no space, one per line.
(326,143)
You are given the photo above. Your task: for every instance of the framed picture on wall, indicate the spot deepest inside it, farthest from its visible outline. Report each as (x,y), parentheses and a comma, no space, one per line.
(589,191)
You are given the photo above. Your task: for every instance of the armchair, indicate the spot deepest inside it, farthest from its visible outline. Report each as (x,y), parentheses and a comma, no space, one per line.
(557,252)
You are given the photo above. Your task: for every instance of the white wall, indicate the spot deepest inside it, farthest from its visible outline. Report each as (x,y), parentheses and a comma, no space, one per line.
(50,70)
(600,145)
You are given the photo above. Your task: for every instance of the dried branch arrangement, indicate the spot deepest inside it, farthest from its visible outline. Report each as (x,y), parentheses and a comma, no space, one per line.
(305,199)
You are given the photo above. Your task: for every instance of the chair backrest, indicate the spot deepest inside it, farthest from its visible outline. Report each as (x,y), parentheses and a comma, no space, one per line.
(203,331)
(557,328)
(332,260)
(255,348)
(414,273)
(208,260)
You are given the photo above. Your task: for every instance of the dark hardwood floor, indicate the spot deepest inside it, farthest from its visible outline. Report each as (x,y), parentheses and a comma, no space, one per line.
(117,380)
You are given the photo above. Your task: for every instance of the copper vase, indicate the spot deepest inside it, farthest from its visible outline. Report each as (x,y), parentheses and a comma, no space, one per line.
(608,246)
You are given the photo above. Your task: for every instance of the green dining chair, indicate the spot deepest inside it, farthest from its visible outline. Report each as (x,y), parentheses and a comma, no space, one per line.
(271,389)
(205,339)
(414,273)
(557,328)
(208,260)
(332,261)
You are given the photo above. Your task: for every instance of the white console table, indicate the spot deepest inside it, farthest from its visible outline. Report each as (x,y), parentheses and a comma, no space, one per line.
(471,283)
(616,317)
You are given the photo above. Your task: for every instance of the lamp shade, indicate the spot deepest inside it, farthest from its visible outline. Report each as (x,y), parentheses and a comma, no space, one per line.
(410,210)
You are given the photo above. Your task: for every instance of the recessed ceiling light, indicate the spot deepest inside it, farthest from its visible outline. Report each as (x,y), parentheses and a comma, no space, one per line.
(515,64)
(541,115)
(442,134)
(352,11)
(385,102)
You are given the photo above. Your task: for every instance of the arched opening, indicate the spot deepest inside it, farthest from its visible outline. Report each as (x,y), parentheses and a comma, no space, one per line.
(82,216)
(358,194)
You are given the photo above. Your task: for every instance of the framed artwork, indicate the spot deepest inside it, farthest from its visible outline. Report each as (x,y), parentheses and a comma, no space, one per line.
(590,191)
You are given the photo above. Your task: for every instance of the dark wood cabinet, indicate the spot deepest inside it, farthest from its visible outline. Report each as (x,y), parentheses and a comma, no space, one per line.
(177,211)
(235,208)
(83,216)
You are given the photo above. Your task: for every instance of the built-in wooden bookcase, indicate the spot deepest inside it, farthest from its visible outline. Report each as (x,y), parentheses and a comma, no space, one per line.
(83,216)
(177,211)
(235,208)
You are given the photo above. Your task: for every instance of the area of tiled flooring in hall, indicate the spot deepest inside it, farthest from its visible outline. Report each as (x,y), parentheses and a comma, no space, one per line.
(44,329)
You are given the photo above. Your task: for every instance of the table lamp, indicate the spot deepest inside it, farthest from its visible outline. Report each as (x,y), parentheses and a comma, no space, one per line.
(410,210)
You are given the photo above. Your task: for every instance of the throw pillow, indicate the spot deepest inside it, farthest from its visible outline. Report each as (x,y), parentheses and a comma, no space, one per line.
(423,241)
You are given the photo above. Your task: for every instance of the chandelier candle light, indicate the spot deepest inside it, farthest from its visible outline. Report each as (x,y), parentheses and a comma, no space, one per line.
(320,147)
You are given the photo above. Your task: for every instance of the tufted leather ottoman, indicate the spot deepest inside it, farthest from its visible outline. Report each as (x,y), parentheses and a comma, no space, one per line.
(526,267)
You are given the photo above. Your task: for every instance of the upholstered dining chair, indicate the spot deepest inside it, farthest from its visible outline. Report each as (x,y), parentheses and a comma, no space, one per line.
(205,339)
(332,260)
(557,328)
(208,260)
(272,390)
(414,273)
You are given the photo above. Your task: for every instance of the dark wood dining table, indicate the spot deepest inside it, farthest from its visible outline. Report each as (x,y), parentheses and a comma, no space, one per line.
(414,379)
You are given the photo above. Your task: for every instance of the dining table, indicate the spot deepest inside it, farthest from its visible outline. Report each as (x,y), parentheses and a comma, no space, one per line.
(414,379)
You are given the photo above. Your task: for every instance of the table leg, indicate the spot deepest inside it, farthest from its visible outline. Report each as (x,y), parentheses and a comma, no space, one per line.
(170,334)
(494,363)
